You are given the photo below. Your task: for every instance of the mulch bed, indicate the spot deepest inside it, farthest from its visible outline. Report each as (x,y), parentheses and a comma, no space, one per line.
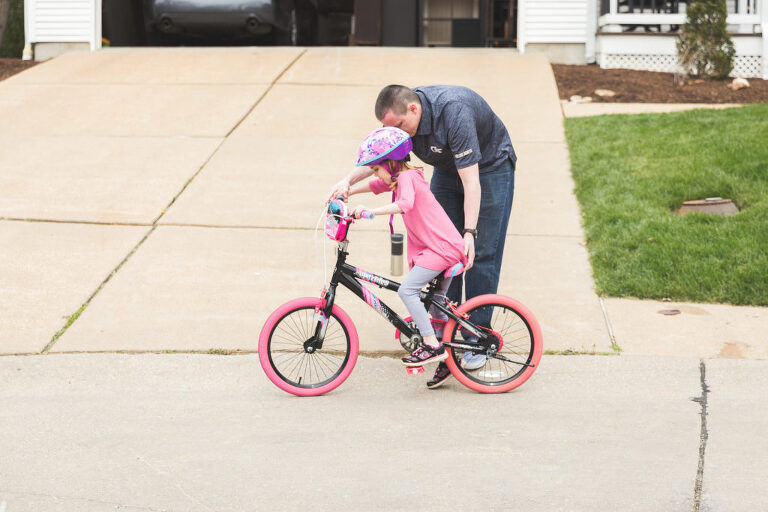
(633,86)
(9,67)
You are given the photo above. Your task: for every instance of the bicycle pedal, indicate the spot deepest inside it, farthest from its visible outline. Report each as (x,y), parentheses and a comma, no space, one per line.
(414,370)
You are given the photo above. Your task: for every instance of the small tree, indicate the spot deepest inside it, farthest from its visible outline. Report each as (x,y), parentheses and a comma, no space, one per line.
(704,46)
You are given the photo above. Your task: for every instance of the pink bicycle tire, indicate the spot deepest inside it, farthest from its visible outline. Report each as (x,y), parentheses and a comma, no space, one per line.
(535,330)
(264,341)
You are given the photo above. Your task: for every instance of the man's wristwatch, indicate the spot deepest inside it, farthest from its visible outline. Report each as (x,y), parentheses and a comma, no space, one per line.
(471,231)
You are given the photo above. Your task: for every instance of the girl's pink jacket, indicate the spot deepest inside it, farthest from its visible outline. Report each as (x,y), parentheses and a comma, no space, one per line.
(433,241)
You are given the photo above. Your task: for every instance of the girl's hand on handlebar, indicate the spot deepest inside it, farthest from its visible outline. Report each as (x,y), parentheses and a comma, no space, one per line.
(362,212)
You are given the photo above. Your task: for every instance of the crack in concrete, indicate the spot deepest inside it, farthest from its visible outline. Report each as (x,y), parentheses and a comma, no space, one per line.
(704,435)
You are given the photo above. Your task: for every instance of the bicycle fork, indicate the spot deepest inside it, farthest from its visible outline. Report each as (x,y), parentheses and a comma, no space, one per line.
(320,316)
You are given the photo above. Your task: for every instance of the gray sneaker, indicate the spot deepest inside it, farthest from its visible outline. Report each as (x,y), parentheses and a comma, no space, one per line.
(471,361)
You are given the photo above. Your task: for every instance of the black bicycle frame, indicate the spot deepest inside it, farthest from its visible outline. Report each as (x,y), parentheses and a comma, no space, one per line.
(348,276)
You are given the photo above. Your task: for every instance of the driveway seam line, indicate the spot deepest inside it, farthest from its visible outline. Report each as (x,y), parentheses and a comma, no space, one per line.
(72,319)
(703,436)
(135,84)
(377,354)
(238,226)
(110,136)
(87,222)
(223,140)
(326,84)
(615,346)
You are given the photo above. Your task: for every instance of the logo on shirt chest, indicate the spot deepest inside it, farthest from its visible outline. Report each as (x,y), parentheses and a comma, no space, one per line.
(435,149)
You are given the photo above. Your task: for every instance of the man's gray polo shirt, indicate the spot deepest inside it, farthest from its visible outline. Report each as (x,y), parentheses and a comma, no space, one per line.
(458,129)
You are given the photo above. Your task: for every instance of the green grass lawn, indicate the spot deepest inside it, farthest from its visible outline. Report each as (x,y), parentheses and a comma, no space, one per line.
(633,172)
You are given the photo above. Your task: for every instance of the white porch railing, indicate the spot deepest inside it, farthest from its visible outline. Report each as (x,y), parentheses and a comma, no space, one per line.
(747,17)
(669,19)
(744,13)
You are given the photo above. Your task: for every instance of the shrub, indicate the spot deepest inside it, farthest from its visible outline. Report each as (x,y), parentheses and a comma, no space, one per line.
(704,46)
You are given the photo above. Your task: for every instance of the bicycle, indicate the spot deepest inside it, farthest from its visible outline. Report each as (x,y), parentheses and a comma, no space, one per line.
(309,345)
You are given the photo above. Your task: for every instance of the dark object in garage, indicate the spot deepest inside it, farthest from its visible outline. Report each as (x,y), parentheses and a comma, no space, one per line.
(122,23)
(284,22)
(466,32)
(245,16)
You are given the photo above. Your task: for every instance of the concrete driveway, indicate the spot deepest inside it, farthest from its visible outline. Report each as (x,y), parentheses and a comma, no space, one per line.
(165,178)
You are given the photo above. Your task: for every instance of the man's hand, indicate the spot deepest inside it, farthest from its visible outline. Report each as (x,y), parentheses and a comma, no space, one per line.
(339,189)
(469,250)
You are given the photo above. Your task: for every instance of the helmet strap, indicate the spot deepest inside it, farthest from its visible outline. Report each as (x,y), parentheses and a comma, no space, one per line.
(391,217)
(394,175)
(394,172)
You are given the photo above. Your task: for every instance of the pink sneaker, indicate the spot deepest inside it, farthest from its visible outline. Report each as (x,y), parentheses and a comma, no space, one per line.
(425,354)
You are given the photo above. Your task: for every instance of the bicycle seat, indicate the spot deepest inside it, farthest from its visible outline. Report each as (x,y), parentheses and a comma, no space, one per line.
(454,270)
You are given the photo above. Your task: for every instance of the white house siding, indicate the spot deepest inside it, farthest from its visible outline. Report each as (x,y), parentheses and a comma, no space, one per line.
(554,21)
(63,21)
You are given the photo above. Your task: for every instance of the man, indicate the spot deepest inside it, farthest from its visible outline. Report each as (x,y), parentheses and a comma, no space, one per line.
(454,130)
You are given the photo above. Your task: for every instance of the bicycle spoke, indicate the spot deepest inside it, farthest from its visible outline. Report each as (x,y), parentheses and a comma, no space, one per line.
(515,349)
(297,366)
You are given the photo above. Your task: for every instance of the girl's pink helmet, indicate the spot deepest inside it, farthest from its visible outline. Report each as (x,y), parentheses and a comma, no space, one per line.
(382,144)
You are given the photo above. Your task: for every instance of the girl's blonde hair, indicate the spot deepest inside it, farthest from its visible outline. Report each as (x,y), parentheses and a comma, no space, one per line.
(398,166)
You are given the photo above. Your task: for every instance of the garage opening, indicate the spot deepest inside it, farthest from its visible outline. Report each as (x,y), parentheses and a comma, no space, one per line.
(226,23)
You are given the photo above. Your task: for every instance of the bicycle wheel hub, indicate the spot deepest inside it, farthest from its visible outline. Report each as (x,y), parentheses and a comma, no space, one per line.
(310,345)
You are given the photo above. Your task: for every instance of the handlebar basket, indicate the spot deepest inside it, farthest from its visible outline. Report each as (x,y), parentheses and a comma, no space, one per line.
(336,222)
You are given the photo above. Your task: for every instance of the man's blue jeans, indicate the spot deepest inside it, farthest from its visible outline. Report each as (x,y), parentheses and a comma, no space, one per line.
(497,190)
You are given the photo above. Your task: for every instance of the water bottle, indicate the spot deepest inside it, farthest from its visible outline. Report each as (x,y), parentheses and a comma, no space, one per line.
(397,254)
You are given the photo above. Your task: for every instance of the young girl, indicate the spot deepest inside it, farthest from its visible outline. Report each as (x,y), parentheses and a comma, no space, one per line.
(434,244)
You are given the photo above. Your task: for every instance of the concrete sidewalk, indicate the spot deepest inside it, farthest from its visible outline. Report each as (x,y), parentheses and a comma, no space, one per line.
(101,432)
(598,109)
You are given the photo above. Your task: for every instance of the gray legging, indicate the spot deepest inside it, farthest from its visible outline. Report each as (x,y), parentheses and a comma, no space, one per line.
(416,279)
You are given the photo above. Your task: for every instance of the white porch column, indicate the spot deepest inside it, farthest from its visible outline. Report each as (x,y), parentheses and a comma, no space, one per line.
(96,37)
(591,34)
(521,26)
(27,53)
(764,30)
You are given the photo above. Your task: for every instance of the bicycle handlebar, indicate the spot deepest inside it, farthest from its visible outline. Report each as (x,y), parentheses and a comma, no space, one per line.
(365,214)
